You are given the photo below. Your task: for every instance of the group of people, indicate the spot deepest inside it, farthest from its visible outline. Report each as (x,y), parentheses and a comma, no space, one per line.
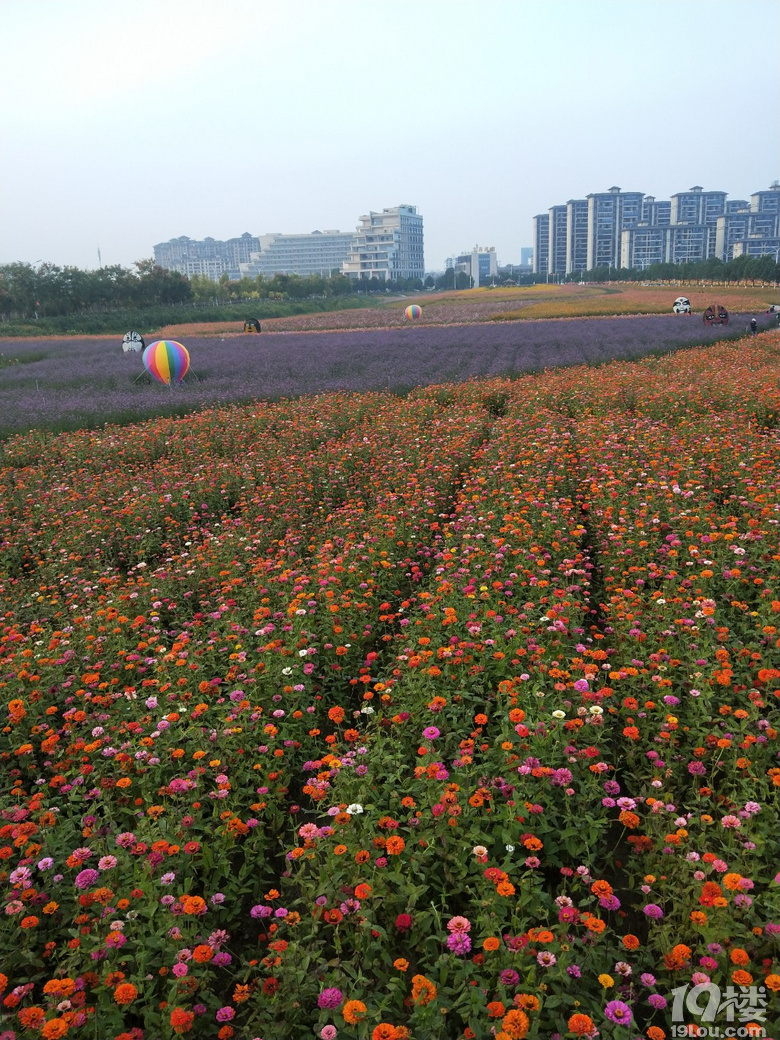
(753,324)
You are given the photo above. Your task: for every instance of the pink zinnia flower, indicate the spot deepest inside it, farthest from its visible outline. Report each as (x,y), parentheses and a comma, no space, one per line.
(459,924)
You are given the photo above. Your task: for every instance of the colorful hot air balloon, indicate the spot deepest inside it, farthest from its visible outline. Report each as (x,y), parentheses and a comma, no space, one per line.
(413,312)
(167,361)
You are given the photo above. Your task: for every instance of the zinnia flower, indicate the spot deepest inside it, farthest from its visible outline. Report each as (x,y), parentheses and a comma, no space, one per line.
(459,924)
(423,990)
(330,998)
(86,878)
(353,1011)
(617,1011)
(581,1025)
(125,993)
(515,1024)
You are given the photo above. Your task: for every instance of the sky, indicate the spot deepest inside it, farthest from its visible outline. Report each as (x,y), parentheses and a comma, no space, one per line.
(125,123)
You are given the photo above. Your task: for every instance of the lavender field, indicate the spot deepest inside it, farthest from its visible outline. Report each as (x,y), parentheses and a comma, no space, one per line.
(74,382)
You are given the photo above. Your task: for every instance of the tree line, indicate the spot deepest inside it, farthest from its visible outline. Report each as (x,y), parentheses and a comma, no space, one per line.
(740,269)
(34,292)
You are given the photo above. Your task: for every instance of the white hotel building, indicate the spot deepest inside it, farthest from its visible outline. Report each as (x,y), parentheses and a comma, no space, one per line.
(387,245)
(319,253)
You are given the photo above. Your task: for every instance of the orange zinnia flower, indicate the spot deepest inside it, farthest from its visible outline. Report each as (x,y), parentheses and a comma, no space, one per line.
(54,1028)
(125,993)
(527,1001)
(31,1017)
(193,905)
(384,1031)
(423,990)
(181,1020)
(353,1011)
(515,1024)
(601,888)
(581,1025)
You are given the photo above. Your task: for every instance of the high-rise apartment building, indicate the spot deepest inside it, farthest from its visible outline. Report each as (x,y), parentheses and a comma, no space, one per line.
(210,257)
(387,245)
(556,250)
(766,201)
(655,212)
(609,214)
(541,233)
(626,229)
(576,235)
(697,206)
(644,245)
(753,230)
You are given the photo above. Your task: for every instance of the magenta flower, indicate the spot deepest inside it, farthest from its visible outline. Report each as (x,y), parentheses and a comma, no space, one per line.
(330,998)
(431,732)
(617,1011)
(458,942)
(87,877)
(654,911)
(225,1014)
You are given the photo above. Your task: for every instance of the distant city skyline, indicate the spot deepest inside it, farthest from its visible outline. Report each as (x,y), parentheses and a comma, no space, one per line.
(129,123)
(386,244)
(621,229)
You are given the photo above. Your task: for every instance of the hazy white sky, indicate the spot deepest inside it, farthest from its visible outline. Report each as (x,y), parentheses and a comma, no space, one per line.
(124,123)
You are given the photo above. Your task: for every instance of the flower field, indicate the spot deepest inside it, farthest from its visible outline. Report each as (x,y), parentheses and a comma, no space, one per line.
(470,306)
(451,715)
(77,382)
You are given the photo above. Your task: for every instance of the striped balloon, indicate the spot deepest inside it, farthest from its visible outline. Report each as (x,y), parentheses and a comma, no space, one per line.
(413,312)
(167,361)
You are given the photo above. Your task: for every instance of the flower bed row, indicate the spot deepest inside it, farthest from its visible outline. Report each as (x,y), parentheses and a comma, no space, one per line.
(450,716)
